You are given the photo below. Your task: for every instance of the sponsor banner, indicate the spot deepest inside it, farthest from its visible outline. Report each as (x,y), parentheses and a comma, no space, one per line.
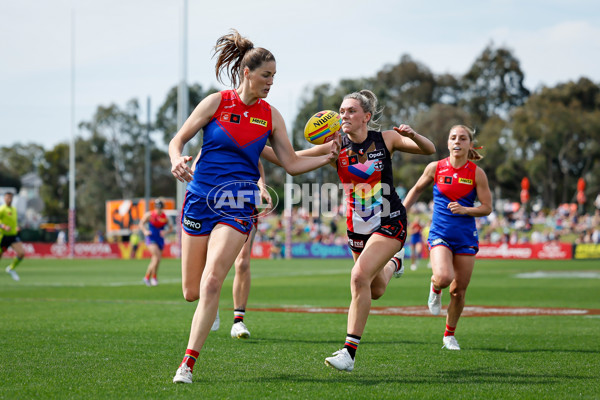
(82,250)
(112,250)
(319,250)
(587,251)
(546,251)
(261,250)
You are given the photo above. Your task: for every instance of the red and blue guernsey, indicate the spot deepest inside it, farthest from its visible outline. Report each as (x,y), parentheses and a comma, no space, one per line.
(232,143)
(455,231)
(156,223)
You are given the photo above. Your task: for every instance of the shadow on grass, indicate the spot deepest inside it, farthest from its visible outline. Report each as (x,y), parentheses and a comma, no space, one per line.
(457,377)
(338,340)
(524,351)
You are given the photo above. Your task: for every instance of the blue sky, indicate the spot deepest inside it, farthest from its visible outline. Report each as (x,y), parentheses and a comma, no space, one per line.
(127,49)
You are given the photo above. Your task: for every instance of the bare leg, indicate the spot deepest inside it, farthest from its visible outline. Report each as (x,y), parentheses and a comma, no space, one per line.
(377,253)
(241,280)
(463,269)
(442,267)
(223,246)
(156,256)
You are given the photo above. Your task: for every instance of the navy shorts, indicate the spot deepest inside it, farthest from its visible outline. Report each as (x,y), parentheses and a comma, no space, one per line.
(201,215)
(157,240)
(466,246)
(394,228)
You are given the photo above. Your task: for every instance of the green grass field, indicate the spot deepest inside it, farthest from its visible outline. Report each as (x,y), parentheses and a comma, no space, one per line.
(89,329)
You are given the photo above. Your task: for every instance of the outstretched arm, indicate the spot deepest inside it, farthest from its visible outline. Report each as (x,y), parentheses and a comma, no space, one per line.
(424,181)
(319,150)
(406,139)
(293,163)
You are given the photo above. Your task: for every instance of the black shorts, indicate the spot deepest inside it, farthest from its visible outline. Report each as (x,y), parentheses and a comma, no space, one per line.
(394,228)
(8,240)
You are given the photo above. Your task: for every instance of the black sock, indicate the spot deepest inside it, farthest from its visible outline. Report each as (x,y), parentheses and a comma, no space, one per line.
(351,344)
(238,315)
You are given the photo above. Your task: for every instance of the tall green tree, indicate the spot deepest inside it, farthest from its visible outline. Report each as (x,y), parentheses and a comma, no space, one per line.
(54,172)
(21,159)
(123,145)
(557,134)
(493,85)
(405,90)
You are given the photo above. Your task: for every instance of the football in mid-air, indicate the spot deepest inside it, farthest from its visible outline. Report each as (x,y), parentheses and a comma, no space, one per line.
(321,127)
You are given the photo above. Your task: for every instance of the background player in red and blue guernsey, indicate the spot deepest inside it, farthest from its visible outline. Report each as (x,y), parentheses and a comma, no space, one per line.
(9,234)
(453,239)
(376,218)
(222,192)
(158,225)
(416,242)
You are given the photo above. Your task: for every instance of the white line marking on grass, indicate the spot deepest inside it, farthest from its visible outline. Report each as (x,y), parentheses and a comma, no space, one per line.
(105,284)
(279,274)
(560,274)
(108,301)
(296,272)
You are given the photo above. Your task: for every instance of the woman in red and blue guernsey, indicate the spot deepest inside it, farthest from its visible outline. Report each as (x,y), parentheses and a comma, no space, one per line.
(453,239)
(155,233)
(222,191)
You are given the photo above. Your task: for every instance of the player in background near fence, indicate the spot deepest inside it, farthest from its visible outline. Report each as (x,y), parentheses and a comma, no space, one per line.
(453,238)
(416,243)
(158,225)
(236,125)
(9,231)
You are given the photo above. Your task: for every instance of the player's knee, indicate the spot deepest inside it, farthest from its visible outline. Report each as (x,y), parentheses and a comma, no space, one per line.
(191,295)
(210,286)
(358,279)
(377,292)
(443,281)
(458,293)
(242,265)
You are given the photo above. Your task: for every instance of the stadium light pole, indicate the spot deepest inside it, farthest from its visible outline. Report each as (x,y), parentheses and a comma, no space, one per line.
(72,145)
(182,107)
(287,202)
(147,182)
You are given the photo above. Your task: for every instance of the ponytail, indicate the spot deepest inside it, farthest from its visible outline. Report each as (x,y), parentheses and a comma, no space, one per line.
(234,53)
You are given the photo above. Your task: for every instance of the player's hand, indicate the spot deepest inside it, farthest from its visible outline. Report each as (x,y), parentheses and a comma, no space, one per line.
(180,170)
(405,131)
(335,145)
(457,208)
(266,196)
